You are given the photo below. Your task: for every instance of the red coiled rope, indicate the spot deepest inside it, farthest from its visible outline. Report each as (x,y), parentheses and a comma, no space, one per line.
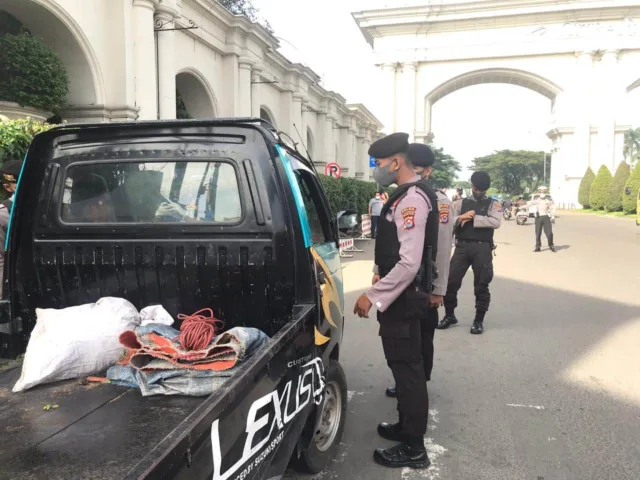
(198,330)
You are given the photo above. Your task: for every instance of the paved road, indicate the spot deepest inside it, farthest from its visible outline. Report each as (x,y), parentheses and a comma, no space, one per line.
(550,392)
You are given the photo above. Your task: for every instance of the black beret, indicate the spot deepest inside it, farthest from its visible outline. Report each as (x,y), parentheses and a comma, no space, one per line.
(481,180)
(11,169)
(421,155)
(390,145)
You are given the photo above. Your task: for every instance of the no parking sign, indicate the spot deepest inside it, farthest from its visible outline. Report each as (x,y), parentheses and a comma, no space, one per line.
(333,170)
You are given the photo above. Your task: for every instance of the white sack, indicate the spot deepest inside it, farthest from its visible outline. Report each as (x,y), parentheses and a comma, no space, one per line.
(155,314)
(76,341)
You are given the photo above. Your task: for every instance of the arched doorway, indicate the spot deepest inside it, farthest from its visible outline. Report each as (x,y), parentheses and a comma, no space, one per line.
(310,143)
(194,96)
(267,115)
(49,22)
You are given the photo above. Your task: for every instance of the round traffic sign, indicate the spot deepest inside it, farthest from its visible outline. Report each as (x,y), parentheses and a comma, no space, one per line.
(333,170)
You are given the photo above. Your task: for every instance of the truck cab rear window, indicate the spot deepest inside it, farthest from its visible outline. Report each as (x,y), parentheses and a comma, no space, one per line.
(151,192)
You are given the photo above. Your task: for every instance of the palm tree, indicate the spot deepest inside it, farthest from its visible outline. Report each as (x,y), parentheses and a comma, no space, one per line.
(631,149)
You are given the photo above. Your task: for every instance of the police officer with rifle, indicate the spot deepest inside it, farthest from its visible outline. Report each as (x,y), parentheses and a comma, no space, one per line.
(477,218)
(406,247)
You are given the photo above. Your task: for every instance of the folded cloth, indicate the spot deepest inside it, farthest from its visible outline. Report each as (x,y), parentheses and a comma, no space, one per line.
(156,362)
(155,314)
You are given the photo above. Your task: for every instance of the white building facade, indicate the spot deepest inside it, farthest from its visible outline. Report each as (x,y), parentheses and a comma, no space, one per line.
(129,59)
(583,55)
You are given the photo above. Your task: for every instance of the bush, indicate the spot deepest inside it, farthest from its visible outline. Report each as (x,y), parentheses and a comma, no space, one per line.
(616,190)
(32,75)
(585,188)
(600,188)
(348,193)
(16,136)
(629,202)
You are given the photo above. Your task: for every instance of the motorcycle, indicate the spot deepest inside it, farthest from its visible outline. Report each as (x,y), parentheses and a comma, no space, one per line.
(506,214)
(522,215)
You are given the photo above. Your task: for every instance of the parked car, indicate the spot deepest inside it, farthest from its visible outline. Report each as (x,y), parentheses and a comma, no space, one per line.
(217,213)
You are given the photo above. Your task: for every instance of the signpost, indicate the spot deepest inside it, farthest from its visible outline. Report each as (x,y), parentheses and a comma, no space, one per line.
(372,162)
(333,170)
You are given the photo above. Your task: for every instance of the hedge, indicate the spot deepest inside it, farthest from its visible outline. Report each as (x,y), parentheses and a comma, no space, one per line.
(32,75)
(348,193)
(16,136)
(629,202)
(616,190)
(600,188)
(585,188)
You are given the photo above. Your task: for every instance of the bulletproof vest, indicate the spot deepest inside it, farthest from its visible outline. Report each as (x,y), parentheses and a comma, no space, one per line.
(469,232)
(387,252)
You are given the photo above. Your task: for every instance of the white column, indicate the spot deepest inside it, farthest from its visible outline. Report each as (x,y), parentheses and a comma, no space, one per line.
(244,86)
(320,134)
(304,120)
(611,97)
(388,96)
(582,101)
(286,112)
(406,100)
(296,117)
(350,152)
(145,59)
(166,66)
(329,143)
(256,72)
(361,170)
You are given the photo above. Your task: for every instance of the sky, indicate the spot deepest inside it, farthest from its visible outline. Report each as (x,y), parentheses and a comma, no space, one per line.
(468,123)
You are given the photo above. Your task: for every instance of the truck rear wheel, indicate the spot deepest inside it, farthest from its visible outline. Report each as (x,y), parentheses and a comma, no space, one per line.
(328,432)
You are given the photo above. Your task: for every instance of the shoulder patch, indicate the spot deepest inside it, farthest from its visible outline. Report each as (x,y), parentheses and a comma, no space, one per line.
(444,212)
(409,214)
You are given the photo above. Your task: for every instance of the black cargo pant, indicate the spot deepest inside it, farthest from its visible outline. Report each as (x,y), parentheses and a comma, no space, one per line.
(400,329)
(544,222)
(478,256)
(428,325)
(374,225)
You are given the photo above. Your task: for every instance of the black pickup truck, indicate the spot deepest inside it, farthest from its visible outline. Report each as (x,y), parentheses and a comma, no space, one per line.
(187,214)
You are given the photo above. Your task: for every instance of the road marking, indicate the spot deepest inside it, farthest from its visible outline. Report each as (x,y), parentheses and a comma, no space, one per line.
(537,407)
(434,451)
(351,394)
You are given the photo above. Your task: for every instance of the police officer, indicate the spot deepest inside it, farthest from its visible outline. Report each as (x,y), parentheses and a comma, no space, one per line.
(544,213)
(477,219)
(404,252)
(423,158)
(9,173)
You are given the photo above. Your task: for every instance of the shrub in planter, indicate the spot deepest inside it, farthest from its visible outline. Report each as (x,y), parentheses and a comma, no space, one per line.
(16,136)
(616,190)
(629,202)
(32,75)
(348,193)
(585,188)
(600,188)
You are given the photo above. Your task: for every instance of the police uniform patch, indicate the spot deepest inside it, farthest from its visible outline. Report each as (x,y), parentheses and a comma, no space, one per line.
(409,214)
(444,213)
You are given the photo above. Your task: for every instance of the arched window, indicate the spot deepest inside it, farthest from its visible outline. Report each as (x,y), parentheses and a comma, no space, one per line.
(310,143)
(265,114)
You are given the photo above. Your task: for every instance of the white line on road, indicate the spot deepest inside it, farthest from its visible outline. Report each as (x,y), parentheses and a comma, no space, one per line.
(537,407)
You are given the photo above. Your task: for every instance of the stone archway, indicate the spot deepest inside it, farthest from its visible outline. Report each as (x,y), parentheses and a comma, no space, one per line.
(516,77)
(48,21)
(267,114)
(196,94)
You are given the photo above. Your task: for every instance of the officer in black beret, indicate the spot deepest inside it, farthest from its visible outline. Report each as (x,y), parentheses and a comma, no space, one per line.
(477,218)
(9,171)
(405,249)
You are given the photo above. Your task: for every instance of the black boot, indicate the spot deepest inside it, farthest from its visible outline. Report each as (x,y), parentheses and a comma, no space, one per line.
(391,392)
(390,431)
(536,250)
(447,321)
(477,328)
(402,455)
(552,248)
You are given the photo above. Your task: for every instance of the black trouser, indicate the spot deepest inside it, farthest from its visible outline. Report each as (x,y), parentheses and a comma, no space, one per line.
(400,329)
(544,222)
(478,256)
(374,225)
(428,325)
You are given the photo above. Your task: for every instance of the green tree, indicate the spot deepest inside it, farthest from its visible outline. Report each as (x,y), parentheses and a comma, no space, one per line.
(616,190)
(445,169)
(16,137)
(464,184)
(600,188)
(246,8)
(31,74)
(585,188)
(631,147)
(629,200)
(512,172)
